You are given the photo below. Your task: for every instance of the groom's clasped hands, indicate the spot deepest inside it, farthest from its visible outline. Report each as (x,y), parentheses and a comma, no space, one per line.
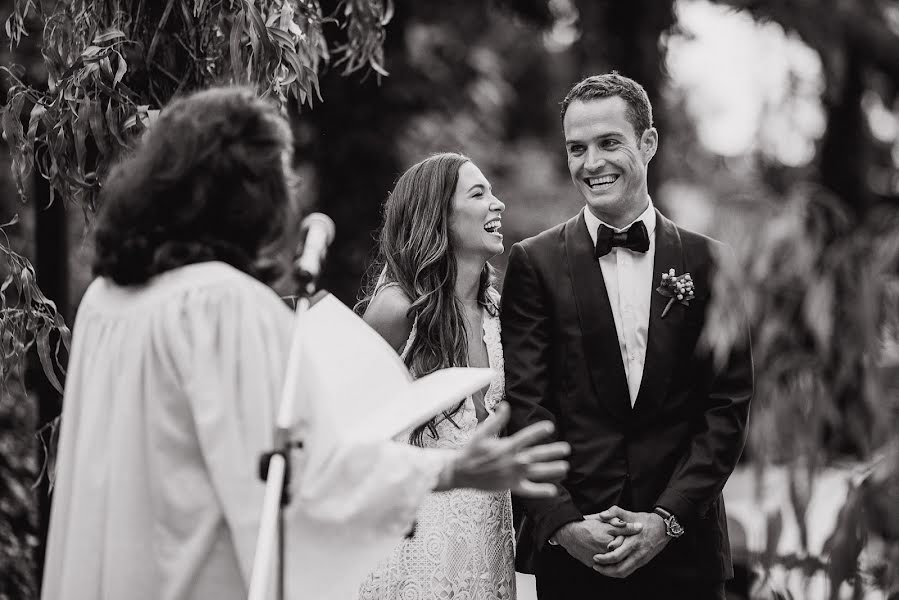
(614,542)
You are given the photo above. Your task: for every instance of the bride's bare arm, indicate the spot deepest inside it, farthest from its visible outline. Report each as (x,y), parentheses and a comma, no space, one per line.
(387,314)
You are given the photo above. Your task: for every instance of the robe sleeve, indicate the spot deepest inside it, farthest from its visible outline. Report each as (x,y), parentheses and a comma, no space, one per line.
(350,513)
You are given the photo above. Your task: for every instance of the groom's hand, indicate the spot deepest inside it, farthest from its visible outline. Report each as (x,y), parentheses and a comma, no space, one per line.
(592,536)
(634,551)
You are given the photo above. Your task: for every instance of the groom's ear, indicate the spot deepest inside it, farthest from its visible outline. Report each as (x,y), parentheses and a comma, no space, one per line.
(649,144)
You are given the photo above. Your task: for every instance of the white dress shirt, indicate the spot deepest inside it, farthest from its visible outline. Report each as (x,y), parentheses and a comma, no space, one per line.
(628,277)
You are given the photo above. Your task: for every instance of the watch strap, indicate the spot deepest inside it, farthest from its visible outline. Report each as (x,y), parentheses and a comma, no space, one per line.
(672,527)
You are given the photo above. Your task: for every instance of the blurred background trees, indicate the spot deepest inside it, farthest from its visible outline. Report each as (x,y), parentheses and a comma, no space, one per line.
(782,139)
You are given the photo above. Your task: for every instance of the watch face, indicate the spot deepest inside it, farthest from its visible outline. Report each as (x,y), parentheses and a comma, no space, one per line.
(674,528)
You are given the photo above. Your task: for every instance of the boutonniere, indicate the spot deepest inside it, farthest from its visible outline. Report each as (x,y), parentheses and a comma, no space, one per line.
(678,288)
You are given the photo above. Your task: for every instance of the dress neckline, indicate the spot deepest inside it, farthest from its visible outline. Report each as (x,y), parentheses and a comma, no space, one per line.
(491,361)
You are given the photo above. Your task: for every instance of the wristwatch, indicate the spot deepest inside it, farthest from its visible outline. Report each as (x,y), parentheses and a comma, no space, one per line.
(672,527)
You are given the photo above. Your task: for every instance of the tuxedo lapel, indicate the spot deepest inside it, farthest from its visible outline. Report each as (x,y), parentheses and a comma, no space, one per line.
(600,337)
(662,335)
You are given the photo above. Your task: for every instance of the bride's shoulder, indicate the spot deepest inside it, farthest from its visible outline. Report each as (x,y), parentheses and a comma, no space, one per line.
(388,314)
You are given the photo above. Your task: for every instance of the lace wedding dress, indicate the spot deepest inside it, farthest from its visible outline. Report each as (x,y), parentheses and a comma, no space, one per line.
(463,546)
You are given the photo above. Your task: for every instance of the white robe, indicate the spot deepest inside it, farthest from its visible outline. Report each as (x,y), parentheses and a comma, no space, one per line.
(171,396)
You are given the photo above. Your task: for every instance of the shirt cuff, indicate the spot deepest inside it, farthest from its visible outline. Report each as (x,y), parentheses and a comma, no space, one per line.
(678,505)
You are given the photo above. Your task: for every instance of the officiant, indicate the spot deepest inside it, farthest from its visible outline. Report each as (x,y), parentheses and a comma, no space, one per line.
(178,359)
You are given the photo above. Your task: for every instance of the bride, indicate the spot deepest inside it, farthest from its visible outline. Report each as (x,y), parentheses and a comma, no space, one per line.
(435,303)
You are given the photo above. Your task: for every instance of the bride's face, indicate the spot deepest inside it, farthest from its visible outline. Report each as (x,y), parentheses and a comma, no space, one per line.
(477,215)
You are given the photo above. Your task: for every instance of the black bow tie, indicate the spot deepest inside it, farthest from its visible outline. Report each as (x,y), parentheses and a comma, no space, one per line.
(633,238)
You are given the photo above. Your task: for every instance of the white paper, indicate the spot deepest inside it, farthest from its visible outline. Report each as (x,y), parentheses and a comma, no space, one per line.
(354,387)
(356,490)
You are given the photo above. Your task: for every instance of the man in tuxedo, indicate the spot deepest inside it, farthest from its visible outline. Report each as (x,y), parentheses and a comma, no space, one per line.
(656,426)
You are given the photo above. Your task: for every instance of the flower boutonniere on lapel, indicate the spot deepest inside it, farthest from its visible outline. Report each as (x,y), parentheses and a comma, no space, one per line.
(677,288)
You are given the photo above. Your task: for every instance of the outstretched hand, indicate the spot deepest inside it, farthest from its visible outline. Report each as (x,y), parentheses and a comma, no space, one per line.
(516,462)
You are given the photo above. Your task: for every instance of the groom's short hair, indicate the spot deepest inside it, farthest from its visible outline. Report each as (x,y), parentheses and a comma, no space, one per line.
(639,109)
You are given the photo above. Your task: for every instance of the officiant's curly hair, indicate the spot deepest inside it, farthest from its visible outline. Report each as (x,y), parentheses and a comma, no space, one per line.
(210,180)
(417,252)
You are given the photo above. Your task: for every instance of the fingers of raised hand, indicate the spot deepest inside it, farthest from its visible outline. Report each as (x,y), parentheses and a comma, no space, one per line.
(547,471)
(545,452)
(530,435)
(529,489)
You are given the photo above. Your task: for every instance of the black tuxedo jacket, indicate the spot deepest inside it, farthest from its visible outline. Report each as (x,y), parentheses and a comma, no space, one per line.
(679,443)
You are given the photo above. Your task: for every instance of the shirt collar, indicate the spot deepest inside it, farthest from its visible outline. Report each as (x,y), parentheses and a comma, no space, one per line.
(648,217)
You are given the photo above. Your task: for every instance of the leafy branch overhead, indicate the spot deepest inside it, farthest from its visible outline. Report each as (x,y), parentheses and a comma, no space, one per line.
(28,318)
(112,65)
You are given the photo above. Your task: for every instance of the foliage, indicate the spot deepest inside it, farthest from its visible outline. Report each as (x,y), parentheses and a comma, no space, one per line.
(29,321)
(822,296)
(858,44)
(111,64)
(18,467)
(29,318)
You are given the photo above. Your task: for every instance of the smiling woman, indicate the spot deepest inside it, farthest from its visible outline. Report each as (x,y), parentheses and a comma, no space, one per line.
(432,298)
(476,210)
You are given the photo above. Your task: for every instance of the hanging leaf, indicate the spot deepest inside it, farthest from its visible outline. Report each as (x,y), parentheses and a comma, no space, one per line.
(106,67)
(37,113)
(112,124)
(281,37)
(236,33)
(92,53)
(108,35)
(43,351)
(80,128)
(15,139)
(98,131)
(121,69)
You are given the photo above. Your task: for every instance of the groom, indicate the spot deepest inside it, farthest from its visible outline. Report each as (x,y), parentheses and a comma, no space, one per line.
(655,426)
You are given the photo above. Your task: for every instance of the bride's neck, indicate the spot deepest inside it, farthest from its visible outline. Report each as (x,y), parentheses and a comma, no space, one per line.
(468,282)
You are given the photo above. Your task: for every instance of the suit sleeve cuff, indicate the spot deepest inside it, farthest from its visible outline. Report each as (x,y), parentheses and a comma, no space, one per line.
(551,523)
(678,505)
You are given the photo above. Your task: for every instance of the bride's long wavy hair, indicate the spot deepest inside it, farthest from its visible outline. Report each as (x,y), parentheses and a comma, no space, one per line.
(417,252)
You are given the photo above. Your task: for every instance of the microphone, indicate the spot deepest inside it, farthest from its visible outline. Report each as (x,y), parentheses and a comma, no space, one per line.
(317,233)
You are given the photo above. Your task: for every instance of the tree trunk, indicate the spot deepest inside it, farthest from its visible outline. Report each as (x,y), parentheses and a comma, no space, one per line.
(52,272)
(844,153)
(355,156)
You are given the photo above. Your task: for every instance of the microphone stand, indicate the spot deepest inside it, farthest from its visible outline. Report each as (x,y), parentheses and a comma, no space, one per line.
(275,465)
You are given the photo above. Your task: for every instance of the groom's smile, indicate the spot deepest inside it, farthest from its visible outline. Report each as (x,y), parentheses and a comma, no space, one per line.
(601,183)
